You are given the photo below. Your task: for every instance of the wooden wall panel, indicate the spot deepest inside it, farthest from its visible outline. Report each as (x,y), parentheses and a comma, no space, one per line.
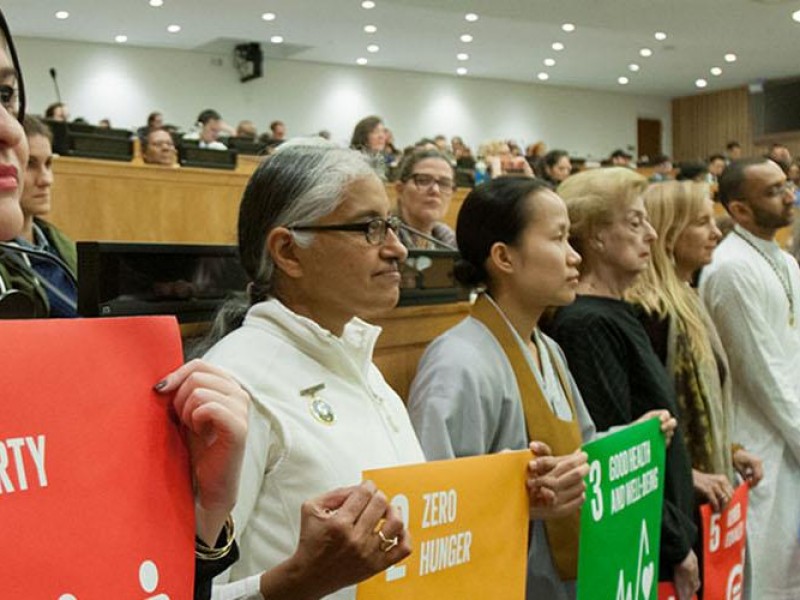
(704,123)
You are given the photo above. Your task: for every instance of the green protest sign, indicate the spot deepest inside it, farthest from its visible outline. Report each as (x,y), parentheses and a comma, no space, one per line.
(621,519)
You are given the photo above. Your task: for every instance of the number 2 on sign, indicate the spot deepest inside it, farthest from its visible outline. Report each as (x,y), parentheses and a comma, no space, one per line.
(595,478)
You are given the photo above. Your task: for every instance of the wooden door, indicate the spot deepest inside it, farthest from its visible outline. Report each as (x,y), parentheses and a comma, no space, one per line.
(648,137)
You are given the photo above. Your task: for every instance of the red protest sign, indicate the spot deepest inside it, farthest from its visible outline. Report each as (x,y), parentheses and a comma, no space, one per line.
(95,487)
(666,591)
(724,535)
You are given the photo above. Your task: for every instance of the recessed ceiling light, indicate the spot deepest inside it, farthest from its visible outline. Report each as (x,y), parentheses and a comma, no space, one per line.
(623,80)
(471,17)
(361,61)
(466,38)
(549,62)
(121,39)
(276,39)
(796,15)
(701,83)
(543,76)
(462,56)
(62,14)
(174,28)
(156,3)
(373,48)
(645,52)
(370,29)
(716,71)
(660,36)
(461,71)
(557,46)
(730,57)
(268,16)
(633,68)
(367,4)
(568,27)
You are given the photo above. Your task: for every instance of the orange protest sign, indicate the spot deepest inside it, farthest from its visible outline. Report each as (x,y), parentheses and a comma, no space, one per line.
(95,488)
(468,520)
(724,535)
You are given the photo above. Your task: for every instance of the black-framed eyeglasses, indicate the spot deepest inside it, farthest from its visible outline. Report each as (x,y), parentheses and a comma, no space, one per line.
(424,182)
(12,88)
(375,230)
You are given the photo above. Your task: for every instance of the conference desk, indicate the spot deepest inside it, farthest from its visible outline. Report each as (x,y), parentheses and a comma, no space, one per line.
(134,202)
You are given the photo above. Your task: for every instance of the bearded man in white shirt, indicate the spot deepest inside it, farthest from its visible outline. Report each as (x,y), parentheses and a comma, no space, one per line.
(752,290)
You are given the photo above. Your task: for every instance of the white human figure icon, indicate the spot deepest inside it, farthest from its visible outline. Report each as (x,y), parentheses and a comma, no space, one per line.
(67,597)
(148,579)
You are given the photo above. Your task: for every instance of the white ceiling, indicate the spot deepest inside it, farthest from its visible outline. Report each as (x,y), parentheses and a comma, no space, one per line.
(511,37)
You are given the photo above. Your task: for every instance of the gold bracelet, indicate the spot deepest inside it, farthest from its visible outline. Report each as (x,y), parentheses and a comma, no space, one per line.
(204,552)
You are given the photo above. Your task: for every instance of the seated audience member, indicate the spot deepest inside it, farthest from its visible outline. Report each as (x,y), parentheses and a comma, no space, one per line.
(716,165)
(321,249)
(275,137)
(155,120)
(158,148)
(693,170)
(662,168)
(609,353)
(780,154)
(535,154)
(50,284)
(57,112)
(210,126)
(369,138)
(392,156)
(324,134)
(424,190)
(494,381)
(685,339)
(246,130)
(500,161)
(793,172)
(733,150)
(556,167)
(104,124)
(620,158)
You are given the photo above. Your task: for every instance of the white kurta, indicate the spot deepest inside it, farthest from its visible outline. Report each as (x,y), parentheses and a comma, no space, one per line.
(465,401)
(751,311)
(292,454)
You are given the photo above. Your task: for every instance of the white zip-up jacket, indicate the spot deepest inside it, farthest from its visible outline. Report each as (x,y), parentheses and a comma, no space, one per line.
(321,414)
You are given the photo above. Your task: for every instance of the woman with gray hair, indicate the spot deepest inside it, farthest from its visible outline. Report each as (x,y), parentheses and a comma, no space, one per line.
(320,246)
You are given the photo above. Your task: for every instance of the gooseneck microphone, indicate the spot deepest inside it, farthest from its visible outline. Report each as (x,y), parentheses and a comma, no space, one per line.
(55,83)
(430,238)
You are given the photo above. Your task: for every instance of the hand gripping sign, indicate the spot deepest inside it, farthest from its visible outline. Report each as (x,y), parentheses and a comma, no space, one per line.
(95,488)
(468,520)
(621,519)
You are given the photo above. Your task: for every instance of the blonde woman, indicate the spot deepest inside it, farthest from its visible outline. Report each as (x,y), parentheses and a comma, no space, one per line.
(685,339)
(609,353)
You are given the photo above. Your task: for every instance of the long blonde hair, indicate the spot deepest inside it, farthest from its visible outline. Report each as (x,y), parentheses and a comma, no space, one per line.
(671,207)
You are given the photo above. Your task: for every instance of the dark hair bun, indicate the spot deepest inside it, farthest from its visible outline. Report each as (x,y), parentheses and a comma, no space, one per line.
(468,274)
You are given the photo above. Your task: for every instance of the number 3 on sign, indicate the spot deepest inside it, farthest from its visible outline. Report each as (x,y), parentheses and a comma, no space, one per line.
(595,479)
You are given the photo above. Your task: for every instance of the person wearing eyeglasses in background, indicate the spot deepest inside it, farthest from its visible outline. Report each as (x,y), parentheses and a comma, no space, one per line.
(424,191)
(159,149)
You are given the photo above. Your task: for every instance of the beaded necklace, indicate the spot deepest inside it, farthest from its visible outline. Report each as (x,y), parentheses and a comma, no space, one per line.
(786,283)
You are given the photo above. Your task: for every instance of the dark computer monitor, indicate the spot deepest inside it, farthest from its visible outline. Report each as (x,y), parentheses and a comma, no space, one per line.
(245,146)
(189,281)
(190,155)
(427,277)
(88,141)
